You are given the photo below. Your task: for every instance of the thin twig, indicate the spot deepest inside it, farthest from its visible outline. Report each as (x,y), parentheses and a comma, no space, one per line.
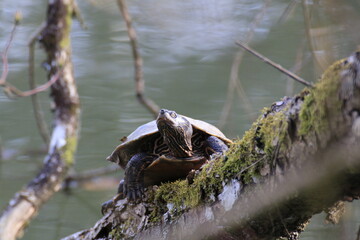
(275,65)
(138,62)
(39,116)
(4,56)
(234,81)
(77,14)
(13,90)
(9,89)
(290,8)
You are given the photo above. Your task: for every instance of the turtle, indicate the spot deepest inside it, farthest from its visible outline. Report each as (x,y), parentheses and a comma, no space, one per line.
(165,149)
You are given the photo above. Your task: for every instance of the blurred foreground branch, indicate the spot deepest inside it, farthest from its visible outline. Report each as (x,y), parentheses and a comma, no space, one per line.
(56,42)
(138,62)
(299,158)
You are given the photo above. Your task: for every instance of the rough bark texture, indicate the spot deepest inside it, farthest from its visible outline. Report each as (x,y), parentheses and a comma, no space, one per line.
(56,41)
(299,158)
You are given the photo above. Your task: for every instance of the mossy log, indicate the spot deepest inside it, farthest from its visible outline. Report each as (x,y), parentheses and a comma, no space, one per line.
(299,158)
(55,38)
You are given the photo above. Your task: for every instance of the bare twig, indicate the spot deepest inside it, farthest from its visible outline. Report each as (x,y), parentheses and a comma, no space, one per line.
(77,14)
(234,81)
(9,89)
(138,62)
(275,65)
(5,53)
(40,120)
(290,8)
(12,90)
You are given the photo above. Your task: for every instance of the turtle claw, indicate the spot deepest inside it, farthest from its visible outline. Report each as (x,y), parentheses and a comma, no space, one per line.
(134,195)
(106,206)
(137,194)
(134,191)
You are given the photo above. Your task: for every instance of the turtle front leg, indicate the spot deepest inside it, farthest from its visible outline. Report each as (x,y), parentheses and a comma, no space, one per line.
(133,185)
(214,145)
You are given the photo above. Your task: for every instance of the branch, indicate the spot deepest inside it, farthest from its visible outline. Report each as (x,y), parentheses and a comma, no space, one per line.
(277,66)
(9,89)
(5,53)
(138,62)
(27,202)
(299,158)
(37,90)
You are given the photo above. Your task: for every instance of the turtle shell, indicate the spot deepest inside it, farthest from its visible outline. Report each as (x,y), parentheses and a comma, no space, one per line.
(149,132)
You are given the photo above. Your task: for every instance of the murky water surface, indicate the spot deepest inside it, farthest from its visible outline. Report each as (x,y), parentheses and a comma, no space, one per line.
(188,50)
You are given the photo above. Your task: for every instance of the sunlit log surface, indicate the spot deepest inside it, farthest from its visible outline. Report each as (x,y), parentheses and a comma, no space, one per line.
(299,158)
(55,38)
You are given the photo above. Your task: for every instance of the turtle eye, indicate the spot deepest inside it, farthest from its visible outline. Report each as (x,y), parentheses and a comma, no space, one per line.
(173,115)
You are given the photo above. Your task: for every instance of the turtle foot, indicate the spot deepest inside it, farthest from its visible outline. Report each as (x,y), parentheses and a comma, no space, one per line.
(134,191)
(106,206)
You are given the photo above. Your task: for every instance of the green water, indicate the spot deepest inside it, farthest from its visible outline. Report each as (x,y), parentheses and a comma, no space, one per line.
(188,49)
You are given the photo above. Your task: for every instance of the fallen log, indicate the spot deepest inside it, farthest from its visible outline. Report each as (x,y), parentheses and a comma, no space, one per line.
(299,158)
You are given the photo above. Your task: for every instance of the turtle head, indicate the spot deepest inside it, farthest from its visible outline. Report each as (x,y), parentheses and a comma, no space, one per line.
(176,131)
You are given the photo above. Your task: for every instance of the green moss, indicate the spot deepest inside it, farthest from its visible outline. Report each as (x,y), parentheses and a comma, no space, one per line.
(273,131)
(65,38)
(248,155)
(240,156)
(182,196)
(116,233)
(121,231)
(69,150)
(320,101)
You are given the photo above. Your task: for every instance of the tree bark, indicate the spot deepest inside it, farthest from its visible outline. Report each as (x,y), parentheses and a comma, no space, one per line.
(55,38)
(299,158)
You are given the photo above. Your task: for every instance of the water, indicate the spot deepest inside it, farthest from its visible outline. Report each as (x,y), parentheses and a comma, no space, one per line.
(188,49)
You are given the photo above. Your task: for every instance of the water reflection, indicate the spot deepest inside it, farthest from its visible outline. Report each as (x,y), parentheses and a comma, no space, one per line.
(176,30)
